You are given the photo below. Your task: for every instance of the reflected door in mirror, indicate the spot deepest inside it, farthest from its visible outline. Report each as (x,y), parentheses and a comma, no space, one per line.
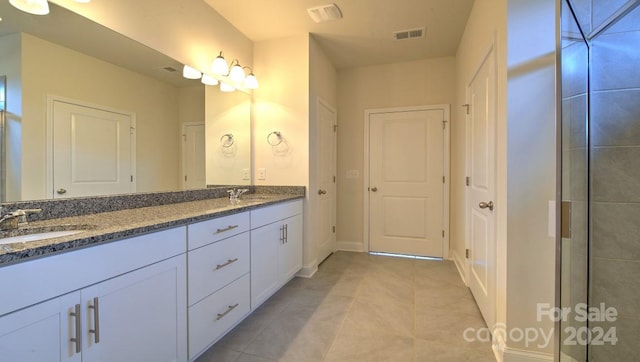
(92,151)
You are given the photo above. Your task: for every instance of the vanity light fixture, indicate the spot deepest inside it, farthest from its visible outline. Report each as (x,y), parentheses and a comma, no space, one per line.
(237,72)
(250,82)
(220,66)
(209,80)
(35,7)
(191,73)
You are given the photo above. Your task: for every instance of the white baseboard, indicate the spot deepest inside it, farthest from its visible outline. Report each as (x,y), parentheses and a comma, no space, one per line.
(350,246)
(308,270)
(519,355)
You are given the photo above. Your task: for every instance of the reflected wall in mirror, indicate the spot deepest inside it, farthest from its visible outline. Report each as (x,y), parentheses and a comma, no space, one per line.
(67,56)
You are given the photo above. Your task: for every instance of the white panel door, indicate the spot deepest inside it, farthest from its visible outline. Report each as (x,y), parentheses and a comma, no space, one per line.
(481,211)
(92,151)
(194,155)
(326,239)
(406,198)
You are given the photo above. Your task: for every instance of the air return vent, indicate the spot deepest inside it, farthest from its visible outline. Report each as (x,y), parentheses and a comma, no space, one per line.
(409,34)
(170,69)
(323,13)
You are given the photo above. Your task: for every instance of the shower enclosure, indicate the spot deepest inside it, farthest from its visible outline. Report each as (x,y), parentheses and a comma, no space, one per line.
(599,249)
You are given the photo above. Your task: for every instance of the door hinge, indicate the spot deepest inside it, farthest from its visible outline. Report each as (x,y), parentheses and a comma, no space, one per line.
(131,178)
(335,128)
(444,124)
(334,229)
(443,233)
(334,179)
(467,106)
(467,253)
(185,178)
(467,180)
(442,179)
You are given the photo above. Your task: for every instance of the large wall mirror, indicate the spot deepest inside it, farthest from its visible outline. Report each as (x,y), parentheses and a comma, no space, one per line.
(179,133)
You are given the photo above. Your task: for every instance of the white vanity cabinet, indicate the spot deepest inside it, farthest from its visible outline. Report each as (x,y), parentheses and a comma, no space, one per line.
(122,307)
(218,278)
(276,248)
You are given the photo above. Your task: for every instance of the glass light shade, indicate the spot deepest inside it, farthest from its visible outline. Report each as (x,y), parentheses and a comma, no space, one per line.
(220,66)
(209,80)
(237,74)
(35,7)
(191,73)
(226,87)
(251,82)
(82,1)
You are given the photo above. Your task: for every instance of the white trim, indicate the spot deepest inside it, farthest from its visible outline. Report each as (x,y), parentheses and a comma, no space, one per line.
(308,270)
(459,262)
(183,152)
(519,355)
(350,246)
(51,98)
(446,110)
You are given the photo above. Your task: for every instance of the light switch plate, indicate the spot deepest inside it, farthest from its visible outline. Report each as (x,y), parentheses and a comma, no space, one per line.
(353,174)
(246,174)
(262,174)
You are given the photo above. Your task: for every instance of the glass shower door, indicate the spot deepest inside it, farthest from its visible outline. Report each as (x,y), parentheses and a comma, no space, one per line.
(574,273)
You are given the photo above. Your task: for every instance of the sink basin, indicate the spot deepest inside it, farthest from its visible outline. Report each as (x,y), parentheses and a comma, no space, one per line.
(41,233)
(38,236)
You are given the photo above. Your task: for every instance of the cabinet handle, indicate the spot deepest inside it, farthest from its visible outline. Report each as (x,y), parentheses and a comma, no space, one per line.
(282,234)
(229,309)
(229,261)
(78,339)
(230,227)
(96,320)
(286,233)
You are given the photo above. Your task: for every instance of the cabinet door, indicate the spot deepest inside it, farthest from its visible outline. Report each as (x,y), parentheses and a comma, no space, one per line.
(290,257)
(41,332)
(141,315)
(265,245)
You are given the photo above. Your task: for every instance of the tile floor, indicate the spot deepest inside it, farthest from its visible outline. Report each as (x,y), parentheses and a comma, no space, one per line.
(359,307)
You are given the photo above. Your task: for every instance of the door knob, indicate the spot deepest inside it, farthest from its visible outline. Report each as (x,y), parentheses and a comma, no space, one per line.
(61,191)
(374,189)
(486,205)
(322,192)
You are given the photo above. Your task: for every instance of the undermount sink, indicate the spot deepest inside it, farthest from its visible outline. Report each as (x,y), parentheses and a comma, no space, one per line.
(40,233)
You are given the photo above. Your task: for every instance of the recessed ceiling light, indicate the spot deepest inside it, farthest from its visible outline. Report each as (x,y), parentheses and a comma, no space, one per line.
(323,13)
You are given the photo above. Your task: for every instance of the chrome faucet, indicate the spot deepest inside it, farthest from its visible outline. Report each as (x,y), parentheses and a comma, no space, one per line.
(15,219)
(235,195)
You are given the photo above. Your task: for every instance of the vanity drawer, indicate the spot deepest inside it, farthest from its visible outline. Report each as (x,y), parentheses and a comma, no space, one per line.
(214,315)
(216,265)
(207,232)
(271,214)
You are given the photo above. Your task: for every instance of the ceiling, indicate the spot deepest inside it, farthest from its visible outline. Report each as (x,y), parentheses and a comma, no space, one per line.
(365,34)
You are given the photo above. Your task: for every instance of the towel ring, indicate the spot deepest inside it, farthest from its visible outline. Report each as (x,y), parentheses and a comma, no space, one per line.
(226,140)
(271,141)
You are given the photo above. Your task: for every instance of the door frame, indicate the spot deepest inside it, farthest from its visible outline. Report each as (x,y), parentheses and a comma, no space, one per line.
(445,108)
(322,103)
(490,49)
(183,159)
(51,98)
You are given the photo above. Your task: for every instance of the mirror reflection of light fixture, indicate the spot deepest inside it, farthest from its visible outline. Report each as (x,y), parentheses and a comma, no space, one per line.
(237,72)
(250,82)
(226,87)
(209,80)
(191,73)
(35,7)
(220,66)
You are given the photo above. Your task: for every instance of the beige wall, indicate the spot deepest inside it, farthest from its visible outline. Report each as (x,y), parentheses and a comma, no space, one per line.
(190,31)
(422,82)
(73,75)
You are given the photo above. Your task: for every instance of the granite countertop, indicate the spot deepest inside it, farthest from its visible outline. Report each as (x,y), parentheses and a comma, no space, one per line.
(110,226)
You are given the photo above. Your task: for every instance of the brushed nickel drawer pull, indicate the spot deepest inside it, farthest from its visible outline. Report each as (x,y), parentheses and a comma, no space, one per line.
(78,338)
(230,261)
(96,320)
(230,227)
(229,309)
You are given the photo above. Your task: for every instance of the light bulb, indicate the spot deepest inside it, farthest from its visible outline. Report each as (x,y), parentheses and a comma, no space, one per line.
(35,7)
(237,74)
(209,80)
(251,82)
(220,66)
(191,73)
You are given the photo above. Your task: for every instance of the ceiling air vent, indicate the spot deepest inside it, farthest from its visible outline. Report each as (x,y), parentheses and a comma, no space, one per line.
(323,13)
(409,34)
(170,69)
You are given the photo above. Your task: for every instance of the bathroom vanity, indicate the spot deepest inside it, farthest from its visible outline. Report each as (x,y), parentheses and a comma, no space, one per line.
(158,283)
